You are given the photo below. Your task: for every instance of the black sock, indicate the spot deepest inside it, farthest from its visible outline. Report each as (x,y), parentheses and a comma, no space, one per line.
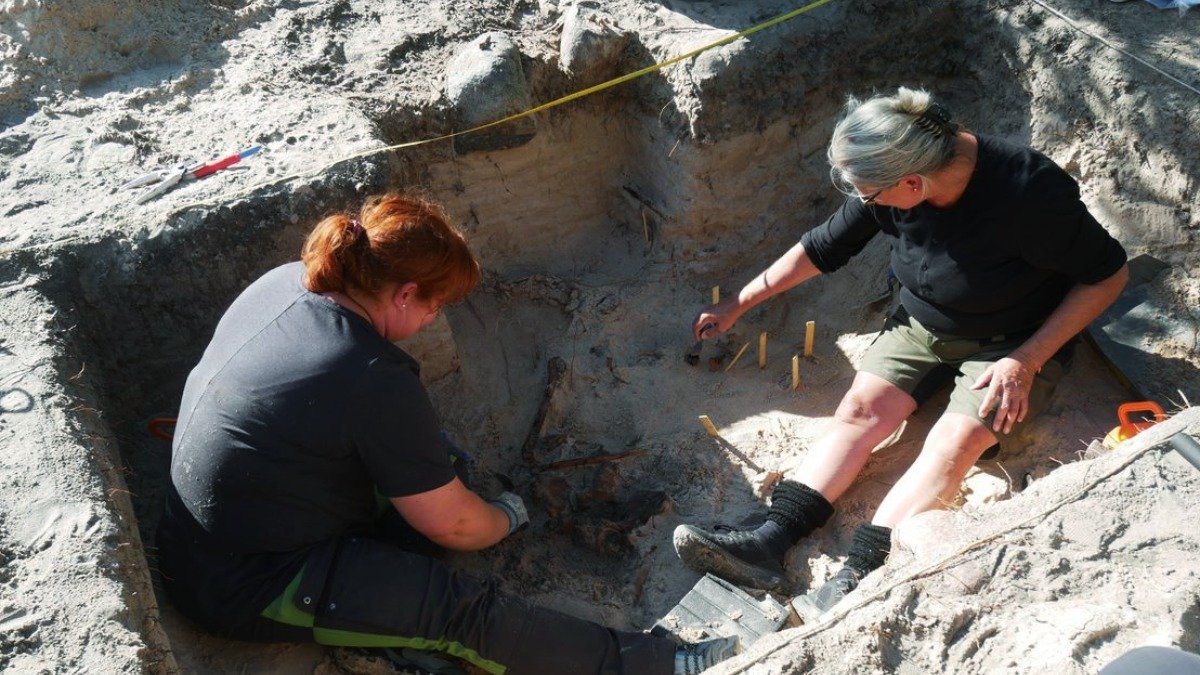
(869,549)
(796,510)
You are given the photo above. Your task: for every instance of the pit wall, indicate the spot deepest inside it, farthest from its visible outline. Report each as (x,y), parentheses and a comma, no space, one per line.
(77,594)
(98,338)
(602,203)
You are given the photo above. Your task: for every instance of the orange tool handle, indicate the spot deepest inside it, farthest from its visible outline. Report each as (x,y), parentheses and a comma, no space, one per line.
(1130,428)
(162,428)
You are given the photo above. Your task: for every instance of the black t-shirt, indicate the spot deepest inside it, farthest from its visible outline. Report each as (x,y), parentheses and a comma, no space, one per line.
(998,261)
(296,414)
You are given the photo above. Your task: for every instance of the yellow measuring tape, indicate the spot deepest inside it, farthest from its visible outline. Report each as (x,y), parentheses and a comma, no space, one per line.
(537,109)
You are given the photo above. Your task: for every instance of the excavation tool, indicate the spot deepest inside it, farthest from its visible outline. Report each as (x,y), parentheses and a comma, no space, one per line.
(556,378)
(164,179)
(716,607)
(162,428)
(1130,426)
(692,355)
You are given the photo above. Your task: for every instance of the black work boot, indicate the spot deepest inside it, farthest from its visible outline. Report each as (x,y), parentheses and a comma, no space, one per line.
(697,657)
(754,558)
(740,556)
(868,551)
(810,607)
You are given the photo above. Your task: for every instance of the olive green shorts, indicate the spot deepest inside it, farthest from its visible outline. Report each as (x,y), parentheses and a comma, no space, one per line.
(910,356)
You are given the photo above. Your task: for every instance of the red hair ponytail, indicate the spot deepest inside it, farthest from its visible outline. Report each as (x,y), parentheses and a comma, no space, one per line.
(394,239)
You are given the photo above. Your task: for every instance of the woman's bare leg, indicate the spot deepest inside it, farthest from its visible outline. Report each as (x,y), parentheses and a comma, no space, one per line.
(951,449)
(868,414)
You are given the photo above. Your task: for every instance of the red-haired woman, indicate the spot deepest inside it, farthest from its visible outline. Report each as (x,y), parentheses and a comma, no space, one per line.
(300,415)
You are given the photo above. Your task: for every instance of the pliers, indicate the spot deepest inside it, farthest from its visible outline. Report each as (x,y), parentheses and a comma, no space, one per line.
(167,178)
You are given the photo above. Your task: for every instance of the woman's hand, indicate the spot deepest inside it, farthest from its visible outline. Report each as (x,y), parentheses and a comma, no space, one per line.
(716,319)
(792,268)
(1009,382)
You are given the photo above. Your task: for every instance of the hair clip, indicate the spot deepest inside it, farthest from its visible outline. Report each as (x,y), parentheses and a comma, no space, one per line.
(936,120)
(355,227)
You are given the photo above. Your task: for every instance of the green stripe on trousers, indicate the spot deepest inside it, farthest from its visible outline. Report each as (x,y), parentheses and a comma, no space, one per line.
(285,611)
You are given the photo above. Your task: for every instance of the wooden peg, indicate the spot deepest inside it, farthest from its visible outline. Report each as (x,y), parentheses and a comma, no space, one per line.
(762,350)
(737,356)
(716,295)
(709,426)
(810,332)
(795,372)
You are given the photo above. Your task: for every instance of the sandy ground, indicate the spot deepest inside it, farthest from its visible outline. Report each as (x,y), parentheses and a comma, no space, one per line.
(602,230)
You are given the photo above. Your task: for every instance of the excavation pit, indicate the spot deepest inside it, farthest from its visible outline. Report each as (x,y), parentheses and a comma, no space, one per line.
(601,234)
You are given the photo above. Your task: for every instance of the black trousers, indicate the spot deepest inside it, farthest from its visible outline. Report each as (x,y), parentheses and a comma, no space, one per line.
(366,591)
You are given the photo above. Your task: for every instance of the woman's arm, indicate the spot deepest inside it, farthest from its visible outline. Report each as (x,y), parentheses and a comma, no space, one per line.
(1010,379)
(454,517)
(789,270)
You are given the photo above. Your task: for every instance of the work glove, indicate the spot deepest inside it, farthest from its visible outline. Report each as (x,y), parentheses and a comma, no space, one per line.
(514,507)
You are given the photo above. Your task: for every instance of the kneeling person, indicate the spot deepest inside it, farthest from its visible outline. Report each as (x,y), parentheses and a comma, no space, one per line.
(301,414)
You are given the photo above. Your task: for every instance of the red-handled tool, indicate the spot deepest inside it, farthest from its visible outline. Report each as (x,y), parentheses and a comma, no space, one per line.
(167,178)
(226,162)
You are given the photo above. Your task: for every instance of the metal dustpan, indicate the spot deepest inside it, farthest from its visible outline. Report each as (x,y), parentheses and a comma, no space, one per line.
(715,607)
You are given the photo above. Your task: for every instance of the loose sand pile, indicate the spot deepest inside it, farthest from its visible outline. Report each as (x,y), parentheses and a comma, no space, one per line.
(602,225)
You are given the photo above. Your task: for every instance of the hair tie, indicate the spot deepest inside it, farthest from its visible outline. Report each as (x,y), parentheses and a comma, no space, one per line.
(355,227)
(936,120)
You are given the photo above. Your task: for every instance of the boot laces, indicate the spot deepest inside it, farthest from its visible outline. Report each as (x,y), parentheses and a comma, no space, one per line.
(731,536)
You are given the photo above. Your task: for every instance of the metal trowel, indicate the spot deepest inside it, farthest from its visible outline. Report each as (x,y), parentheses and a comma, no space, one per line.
(692,355)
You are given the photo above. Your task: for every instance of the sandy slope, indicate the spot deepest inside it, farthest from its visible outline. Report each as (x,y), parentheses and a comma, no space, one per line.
(601,236)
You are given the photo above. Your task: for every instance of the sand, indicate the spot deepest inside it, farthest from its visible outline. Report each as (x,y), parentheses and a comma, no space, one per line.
(602,226)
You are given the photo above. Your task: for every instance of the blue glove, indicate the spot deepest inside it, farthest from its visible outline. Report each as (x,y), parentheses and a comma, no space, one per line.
(514,507)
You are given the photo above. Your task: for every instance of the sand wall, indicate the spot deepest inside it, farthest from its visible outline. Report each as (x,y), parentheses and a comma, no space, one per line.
(601,235)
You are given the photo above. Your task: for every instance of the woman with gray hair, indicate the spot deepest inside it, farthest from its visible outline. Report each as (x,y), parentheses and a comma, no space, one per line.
(1000,267)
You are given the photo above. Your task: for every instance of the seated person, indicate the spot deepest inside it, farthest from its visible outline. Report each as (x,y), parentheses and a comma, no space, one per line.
(1000,266)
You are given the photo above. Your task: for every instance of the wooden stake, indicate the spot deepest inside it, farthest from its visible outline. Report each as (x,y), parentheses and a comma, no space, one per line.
(810,331)
(709,426)
(762,350)
(556,377)
(737,356)
(795,372)
(588,461)
(716,295)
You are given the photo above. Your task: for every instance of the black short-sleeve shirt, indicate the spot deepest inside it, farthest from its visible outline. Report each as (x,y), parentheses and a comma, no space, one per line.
(296,414)
(998,261)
